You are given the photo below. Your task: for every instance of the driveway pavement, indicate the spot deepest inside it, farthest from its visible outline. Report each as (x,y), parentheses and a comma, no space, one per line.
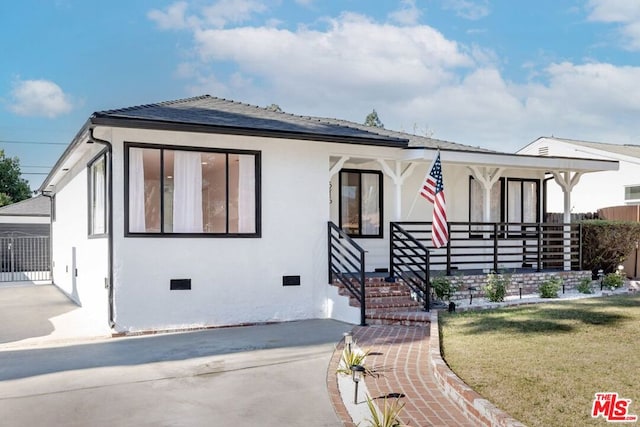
(266,375)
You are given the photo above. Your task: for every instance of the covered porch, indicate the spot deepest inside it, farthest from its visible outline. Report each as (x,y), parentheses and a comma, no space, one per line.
(495,207)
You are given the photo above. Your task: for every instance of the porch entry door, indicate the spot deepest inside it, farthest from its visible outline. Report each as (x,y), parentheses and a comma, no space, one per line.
(523,216)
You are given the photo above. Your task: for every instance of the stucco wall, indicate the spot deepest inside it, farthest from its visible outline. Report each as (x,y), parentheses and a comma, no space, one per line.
(233,280)
(79,264)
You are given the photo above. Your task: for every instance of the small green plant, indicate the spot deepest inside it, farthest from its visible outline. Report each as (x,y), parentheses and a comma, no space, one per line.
(351,357)
(443,287)
(495,288)
(550,287)
(585,286)
(388,416)
(613,281)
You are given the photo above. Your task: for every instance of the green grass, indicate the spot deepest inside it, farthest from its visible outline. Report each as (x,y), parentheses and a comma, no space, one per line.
(544,363)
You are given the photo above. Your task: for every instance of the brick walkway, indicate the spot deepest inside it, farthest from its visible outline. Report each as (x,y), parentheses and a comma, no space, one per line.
(400,354)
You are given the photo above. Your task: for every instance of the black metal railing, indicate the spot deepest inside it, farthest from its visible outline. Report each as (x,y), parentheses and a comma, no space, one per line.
(347,264)
(501,246)
(409,261)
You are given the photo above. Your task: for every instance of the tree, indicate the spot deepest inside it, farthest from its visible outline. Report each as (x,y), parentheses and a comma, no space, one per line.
(275,107)
(373,120)
(13,188)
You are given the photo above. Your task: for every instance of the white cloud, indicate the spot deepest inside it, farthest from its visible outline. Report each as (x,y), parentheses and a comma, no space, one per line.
(625,13)
(408,14)
(224,12)
(39,98)
(173,18)
(415,78)
(468,9)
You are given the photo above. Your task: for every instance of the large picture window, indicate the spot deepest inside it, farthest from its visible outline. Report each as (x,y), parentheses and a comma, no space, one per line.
(361,203)
(97,170)
(172,190)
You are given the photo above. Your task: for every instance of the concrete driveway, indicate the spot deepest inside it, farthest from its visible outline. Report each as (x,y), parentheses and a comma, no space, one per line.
(266,375)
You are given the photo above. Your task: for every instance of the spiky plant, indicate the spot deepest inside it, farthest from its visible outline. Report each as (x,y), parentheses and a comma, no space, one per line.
(388,416)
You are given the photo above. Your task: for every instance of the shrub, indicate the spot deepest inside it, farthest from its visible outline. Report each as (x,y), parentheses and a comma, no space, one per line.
(550,287)
(613,281)
(585,286)
(608,243)
(352,357)
(443,287)
(495,288)
(388,417)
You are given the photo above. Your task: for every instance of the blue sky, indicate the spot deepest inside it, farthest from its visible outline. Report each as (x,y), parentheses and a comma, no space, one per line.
(496,74)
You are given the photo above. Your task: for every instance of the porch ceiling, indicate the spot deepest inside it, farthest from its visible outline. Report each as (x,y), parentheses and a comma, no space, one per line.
(517,161)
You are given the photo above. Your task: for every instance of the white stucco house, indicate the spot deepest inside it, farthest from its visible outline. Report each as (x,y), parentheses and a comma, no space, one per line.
(596,190)
(208,212)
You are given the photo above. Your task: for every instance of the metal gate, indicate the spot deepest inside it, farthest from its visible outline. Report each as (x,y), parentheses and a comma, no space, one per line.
(24,258)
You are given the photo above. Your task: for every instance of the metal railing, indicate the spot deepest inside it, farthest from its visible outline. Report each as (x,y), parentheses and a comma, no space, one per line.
(502,246)
(347,264)
(24,258)
(409,261)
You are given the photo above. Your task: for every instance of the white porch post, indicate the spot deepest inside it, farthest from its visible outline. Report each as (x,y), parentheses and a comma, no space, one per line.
(566,181)
(398,177)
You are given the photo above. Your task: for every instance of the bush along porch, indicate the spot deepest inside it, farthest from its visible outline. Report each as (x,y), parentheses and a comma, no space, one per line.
(519,258)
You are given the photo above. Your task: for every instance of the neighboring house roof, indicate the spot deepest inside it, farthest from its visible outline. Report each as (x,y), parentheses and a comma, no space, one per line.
(630,150)
(35,206)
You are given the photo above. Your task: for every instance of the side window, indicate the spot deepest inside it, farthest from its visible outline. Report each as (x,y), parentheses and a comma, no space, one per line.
(361,202)
(97,170)
(170,190)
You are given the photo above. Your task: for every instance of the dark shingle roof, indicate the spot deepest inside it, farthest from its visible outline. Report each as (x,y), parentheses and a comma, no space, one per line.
(236,117)
(35,206)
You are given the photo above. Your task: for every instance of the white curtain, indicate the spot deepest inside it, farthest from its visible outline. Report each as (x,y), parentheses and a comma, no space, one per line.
(136,191)
(187,192)
(99,197)
(246,194)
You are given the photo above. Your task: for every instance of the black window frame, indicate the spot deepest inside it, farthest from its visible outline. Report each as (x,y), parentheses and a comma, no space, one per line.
(257,155)
(380,175)
(102,155)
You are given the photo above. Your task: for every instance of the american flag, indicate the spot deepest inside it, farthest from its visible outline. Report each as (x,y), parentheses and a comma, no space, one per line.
(433,190)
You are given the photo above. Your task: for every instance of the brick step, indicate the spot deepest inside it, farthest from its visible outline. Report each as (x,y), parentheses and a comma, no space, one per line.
(382,300)
(400,291)
(378,308)
(406,318)
(370,282)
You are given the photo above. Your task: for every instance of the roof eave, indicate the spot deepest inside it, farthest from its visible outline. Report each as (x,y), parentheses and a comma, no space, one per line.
(77,140)
(520,161)
(103,120)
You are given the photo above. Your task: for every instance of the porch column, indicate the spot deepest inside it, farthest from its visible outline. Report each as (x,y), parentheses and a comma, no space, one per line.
(486,177)
(337,166)
(398,176)
(567,181)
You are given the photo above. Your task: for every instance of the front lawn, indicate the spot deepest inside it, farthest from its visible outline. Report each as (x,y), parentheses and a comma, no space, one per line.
(544,363)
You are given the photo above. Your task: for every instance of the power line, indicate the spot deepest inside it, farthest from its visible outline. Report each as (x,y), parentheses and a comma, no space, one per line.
(34,173)
(32,142)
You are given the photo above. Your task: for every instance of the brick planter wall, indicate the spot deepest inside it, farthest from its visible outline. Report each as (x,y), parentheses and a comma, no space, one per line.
(528,281)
